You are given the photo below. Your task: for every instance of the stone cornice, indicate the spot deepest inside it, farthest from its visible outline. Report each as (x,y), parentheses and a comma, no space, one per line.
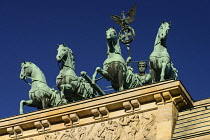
(101,108)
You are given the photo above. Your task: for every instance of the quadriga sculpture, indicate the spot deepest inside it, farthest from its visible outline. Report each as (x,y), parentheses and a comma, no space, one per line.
(72,87)
(40,94)
(161,67)
(115,68)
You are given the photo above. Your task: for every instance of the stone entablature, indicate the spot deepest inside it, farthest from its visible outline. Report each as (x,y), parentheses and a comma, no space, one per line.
(136,126)
(158,102)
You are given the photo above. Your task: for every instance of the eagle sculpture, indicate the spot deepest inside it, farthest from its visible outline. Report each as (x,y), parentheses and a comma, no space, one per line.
(124,21)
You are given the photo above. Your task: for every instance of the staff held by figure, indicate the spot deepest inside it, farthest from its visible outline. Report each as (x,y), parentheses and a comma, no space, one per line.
(127,33)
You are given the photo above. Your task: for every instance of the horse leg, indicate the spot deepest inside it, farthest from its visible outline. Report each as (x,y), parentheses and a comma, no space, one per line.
(23,102)
(104,73)
(57,100)
(62,95)
(94,75)
(162,75)
(152,72)
(121,80)
(45,102)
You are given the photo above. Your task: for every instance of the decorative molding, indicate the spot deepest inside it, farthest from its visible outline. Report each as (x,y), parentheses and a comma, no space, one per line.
(67,120)
(18,131)
(136,104)
(104,112)
(74,118)
(70,120)
(15,131)
(128,107)
(179,101)
(39,126)
(167,96)
(96,114)
(46,124)
(42,126)
(159,98)
(11,132)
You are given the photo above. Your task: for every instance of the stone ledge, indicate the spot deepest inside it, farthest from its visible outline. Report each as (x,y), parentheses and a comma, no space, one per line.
(203,102)
(101,108)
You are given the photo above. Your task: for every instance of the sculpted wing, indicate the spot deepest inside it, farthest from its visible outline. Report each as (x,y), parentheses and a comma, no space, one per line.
(116,19)
(131,14)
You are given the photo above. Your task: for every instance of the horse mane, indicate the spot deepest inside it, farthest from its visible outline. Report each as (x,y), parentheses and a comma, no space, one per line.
(115,40)
(71,55)
(35,66)
(158,40)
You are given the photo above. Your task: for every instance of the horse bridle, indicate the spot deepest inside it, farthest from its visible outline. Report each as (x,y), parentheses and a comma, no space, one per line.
(25,76)
(33,80)
(65,61)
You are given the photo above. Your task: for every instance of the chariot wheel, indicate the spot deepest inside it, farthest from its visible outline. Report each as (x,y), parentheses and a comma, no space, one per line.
(127,35)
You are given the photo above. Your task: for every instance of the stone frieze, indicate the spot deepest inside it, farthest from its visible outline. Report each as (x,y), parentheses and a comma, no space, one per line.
(130,127)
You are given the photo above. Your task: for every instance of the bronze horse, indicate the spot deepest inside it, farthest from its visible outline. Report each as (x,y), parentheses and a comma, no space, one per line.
(72,87)
(115,68)
(161,67)
(41,95)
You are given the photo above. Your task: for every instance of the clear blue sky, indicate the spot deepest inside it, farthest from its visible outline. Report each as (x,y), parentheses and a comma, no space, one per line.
(30,31)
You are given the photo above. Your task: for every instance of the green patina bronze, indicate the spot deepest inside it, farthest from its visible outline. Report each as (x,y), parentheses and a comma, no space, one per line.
(127,33)
(124,21)
(115,68)
(144,77)
(72,88)
(40,94)
(161,67)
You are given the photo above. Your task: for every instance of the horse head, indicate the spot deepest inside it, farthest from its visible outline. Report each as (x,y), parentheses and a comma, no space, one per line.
(26,70)
(62,52)
(112,41)
(65,56)
(163,30)
(111,34)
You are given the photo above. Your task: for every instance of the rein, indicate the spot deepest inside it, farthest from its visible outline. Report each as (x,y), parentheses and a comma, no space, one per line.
(157,43)
(59,66)
(35,80)
(64,63)
(27,82)
(32,80)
